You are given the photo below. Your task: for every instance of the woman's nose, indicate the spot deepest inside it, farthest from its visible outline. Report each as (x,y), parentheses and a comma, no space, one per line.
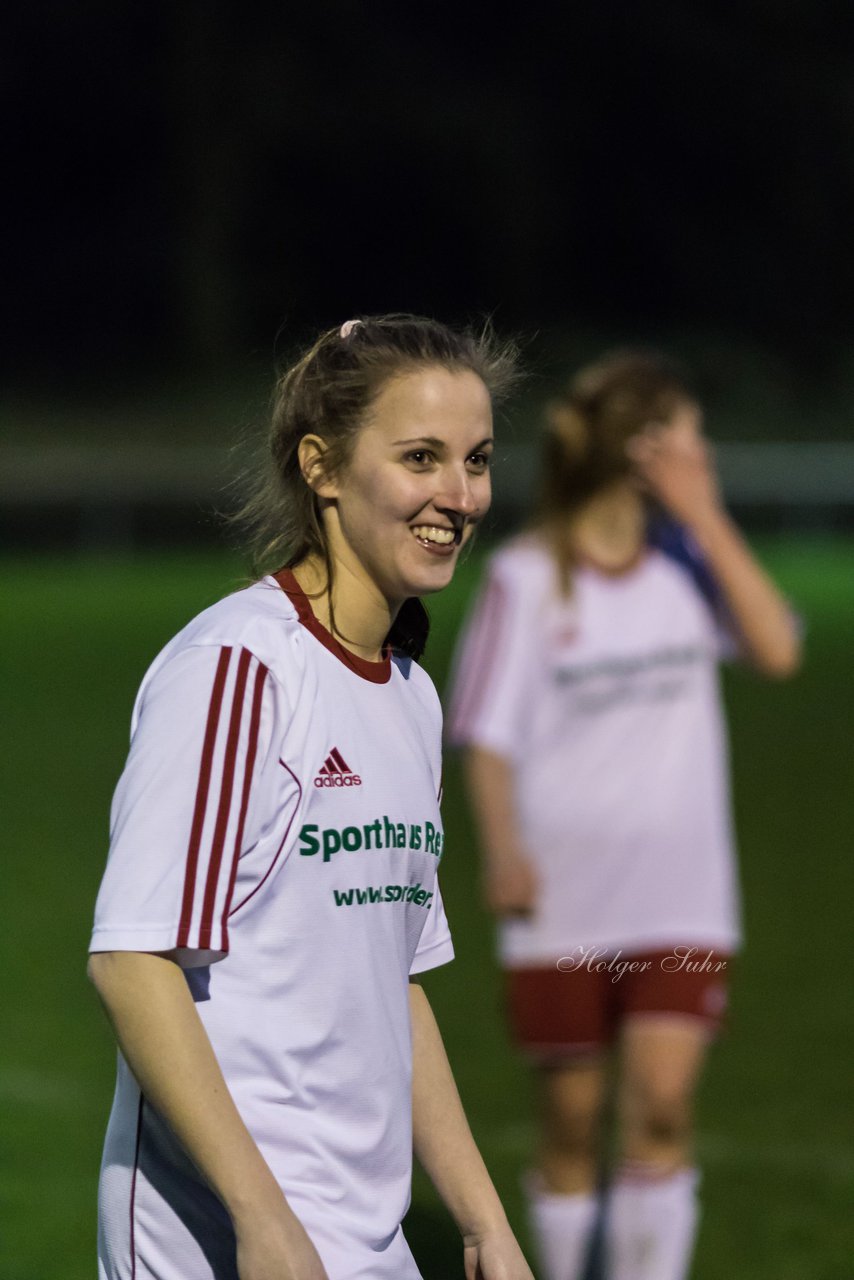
(456,494)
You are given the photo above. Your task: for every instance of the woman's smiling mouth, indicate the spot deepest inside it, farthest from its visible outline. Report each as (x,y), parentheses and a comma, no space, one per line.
(435,537)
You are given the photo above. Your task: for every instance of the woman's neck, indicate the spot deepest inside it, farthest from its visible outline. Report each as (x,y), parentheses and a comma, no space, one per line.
(610,529)
(356,614)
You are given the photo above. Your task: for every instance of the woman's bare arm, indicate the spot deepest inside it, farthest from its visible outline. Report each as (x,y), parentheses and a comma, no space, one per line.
(445,1146)
(680,474)
(510,885)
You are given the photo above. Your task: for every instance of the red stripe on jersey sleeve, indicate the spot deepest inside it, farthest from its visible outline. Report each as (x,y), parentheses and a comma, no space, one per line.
(251,752)
(225,798)
(202,796)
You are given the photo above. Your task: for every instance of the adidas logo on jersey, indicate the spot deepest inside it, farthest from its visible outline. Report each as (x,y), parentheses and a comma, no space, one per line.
(335,772)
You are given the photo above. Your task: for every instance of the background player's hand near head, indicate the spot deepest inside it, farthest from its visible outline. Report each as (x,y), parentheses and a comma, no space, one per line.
(674,463)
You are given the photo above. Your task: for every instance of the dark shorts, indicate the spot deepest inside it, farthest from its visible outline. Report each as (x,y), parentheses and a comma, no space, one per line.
(578,1005)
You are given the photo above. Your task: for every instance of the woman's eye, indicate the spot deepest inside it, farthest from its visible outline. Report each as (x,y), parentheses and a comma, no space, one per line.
(479,461)
(421,457)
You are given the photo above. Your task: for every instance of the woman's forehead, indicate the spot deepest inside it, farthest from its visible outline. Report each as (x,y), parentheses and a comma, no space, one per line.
(432,401)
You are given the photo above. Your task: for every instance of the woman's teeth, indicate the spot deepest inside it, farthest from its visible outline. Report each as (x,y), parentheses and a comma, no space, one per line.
(431,533)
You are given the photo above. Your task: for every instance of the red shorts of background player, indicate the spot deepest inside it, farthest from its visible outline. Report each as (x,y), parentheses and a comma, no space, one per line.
(577,1005)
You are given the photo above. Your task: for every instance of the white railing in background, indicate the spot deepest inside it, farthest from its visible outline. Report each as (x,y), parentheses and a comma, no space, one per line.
(796,474)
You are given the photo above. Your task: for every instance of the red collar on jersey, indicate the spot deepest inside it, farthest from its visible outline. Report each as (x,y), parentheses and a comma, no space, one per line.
(377,672)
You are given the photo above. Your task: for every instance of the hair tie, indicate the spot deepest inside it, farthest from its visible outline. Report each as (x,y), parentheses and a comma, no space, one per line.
(347,328)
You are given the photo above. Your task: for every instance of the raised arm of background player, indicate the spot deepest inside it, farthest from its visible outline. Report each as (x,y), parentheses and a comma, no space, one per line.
(167,1048)
(676,467)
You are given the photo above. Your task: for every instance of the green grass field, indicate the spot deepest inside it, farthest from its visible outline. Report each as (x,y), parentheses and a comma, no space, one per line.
(776,1116)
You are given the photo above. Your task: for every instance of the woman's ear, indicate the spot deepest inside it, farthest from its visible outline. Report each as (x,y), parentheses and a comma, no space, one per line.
(313,452)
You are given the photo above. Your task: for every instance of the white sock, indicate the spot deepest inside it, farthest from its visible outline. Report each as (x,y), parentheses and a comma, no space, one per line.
(561,1227)
(650,1224)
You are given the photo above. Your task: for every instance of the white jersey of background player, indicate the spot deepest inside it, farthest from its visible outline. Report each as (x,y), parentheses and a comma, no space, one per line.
(624,675)
(271,885)
(586,695)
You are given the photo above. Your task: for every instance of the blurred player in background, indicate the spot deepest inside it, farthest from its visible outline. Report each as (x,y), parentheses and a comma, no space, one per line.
(586,697)
(271,885)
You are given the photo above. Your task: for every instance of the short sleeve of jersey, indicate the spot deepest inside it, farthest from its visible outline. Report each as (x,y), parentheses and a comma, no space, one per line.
(434,947)
(492,665)
(183,812)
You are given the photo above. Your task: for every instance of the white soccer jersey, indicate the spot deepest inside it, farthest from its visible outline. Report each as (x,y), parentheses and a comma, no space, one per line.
(278,815)
(607,705)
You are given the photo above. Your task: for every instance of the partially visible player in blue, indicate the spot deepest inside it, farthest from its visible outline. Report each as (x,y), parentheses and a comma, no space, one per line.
(587,699)
(260,930)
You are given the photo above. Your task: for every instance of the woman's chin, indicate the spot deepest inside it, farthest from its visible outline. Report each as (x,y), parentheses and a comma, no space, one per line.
(430,579)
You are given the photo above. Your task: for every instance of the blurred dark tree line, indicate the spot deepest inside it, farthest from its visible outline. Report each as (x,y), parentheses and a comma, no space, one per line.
(184,178)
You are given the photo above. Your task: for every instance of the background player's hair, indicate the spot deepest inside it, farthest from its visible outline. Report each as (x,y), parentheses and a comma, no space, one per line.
(587,429)
(328,392)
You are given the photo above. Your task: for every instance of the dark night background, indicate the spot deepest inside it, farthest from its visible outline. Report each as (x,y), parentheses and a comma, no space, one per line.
(193,188)
(187,180)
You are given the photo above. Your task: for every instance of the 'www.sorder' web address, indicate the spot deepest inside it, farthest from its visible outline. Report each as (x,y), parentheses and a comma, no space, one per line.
(384,893)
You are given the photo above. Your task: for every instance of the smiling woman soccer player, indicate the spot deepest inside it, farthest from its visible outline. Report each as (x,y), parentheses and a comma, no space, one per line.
(271,886)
